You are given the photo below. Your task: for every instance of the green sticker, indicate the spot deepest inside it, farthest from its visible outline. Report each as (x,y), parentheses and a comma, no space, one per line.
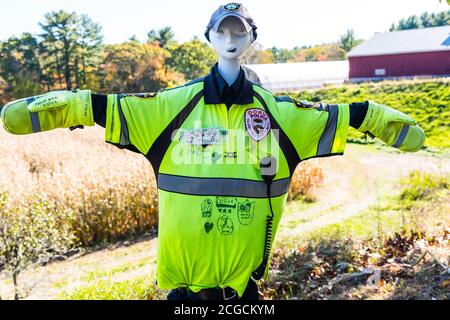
(246,212)
(225,225)
(207,208)
(226,204)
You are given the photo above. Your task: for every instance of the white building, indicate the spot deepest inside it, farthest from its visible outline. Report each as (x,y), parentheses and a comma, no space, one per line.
(294,76)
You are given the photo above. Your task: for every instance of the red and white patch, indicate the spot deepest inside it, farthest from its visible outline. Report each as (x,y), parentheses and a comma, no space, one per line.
(257,123)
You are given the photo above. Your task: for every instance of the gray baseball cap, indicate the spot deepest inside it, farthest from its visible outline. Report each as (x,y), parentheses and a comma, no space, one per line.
(232,9)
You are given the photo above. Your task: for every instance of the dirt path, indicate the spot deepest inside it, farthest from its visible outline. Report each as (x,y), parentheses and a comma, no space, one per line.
(352,183)
(119,262)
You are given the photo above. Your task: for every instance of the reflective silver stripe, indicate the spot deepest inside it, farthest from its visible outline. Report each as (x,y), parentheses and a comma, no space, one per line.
(327,138)
(401,136)
(124,135)
(35,124)
(221,186)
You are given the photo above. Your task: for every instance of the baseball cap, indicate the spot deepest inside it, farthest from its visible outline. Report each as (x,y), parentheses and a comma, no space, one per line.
(232,9)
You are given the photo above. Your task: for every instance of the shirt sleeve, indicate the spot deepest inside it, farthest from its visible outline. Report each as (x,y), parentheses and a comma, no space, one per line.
(315,130)
(134,121)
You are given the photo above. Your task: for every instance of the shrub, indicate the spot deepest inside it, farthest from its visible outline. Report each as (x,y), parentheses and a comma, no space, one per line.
(306,178)
(420,185)
(32,233)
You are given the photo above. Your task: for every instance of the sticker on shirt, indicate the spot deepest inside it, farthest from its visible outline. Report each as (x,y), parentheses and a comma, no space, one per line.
(207,208)
(203,136)
(257,123)
(246,212)
(226,204)
(225,225)
(208,226)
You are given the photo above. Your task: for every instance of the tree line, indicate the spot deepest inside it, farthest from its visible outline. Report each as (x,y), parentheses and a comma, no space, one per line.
(425,20)
(69,53)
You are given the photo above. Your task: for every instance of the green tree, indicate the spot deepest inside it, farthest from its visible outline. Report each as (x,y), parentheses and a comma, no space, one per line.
(193,58)
(135,67)
(164,37)
(32,234)
(348,40)
(20,67)
(282,55)
(442,19)
(425,20)
(412,22)
(87,55)
(324,52)
(69,43)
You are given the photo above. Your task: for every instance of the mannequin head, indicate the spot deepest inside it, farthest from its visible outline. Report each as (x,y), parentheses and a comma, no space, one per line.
(231,30)
(231,39)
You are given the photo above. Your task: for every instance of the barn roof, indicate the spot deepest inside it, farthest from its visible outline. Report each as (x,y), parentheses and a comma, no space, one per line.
(406,41)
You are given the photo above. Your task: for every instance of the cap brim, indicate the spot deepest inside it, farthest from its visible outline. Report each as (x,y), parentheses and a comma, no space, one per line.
(216,26)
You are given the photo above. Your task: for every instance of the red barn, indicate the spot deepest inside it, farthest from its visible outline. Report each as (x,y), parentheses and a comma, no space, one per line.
(408,53)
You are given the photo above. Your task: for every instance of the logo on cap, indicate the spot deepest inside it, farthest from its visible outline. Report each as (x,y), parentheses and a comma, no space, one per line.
(232,6)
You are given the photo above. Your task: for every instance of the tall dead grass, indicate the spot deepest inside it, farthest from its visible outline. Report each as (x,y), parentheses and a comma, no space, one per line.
(111,191)
(305,180)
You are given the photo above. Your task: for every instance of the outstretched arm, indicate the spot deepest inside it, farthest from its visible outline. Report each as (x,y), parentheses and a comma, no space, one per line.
(320,130)
(392,127)
(131,121)
(56,109)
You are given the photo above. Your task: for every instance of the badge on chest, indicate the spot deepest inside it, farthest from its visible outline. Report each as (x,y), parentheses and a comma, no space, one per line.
(257,123)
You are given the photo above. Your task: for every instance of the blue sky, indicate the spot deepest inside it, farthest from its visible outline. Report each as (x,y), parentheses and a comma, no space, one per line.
(282,23)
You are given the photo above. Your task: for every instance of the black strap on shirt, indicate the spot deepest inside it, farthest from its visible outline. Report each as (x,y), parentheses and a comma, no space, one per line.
(284,142)
(99,104)
(159,148)
(358,112)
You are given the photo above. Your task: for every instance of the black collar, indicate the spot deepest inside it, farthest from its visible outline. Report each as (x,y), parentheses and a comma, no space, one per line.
(222,83)
(214,85)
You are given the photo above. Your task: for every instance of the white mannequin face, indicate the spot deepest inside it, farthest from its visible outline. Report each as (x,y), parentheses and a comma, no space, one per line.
(231,39)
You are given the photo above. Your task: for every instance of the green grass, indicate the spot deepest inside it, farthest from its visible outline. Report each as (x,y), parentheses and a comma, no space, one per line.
(426,101)
(366,224)
(139,288)
(297,205)
(421,202)
(420,186)
(98,274)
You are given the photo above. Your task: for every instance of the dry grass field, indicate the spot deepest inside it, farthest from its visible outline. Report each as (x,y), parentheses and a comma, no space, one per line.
(111,192)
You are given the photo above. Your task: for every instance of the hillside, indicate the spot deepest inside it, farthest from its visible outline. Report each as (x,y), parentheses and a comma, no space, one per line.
(427,101)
